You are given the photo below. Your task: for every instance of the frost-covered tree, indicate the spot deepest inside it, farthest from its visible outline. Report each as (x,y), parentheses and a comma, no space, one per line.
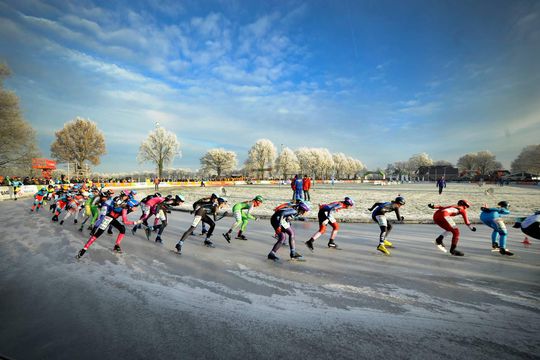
(528,160)
(17,137)
(485,162)
(261,156)
(326,162)
(160,147)
(315,161)
(442,163)
(79,141)
(341,165)
(355,167)
(287,163)
(418,160)
(467,162)
(219,160)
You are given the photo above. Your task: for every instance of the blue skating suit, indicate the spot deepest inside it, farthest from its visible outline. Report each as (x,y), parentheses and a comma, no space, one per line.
(492,217)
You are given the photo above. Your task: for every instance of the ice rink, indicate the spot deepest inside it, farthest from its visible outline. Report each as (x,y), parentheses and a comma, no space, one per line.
(230,302)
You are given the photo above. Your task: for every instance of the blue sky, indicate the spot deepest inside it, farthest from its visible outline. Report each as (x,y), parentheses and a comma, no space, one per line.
(377,80)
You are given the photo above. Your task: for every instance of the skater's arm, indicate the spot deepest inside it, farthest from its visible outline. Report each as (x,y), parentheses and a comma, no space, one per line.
(374,206)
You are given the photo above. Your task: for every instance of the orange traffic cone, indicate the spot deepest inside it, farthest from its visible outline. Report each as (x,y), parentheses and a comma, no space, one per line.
(526,242)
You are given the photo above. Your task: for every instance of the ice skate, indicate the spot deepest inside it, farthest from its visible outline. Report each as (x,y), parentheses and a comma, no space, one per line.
(81,253)
(117,249)
(208,243)
(309,244)
(383,249)
(227,237)
(388,243)
(504,251)
(272,256)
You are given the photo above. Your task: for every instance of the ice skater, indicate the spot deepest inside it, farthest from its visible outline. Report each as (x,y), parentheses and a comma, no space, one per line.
(443,218)
(111,210)
(281,222)
(530,226)
(326,216)
(202,215)
(242,215)
(379,216)
(492,217)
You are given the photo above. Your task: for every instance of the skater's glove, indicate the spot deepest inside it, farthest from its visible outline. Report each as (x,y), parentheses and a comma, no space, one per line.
(402,218)
(431,206)
(138,222)
(278,231)
(473,229)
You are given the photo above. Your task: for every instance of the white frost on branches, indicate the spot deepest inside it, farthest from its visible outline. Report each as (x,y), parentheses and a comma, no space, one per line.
(160,147)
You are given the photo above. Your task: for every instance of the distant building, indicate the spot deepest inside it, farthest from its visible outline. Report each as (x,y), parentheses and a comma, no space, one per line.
(433,173)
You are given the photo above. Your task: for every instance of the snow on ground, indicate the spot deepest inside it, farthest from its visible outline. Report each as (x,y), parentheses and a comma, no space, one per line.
(523,199)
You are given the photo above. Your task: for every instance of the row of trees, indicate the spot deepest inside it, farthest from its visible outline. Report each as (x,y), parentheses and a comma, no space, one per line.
(263,158)
(482,162)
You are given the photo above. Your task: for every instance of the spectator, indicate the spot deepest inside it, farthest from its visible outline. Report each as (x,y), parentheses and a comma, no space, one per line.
(306,186)
(298,188)
(156,184)
(441,183)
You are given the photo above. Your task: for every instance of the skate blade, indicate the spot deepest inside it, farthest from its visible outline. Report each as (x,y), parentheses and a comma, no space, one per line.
(176,252)
(334,248)
(442,248)
(297,260)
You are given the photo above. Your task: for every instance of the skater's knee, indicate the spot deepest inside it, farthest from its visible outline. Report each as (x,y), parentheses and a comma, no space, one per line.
(322,229)
(334,225)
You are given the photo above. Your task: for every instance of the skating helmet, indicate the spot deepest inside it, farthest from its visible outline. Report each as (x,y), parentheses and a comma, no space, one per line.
(504,204)
(214,196)
(303,206)
(124,192)
(43,188)
(179,199)
(221,200)
(133,192)
(348,201)
(400,200)
(169,197)
(465,203)
(157,194)
(258,198)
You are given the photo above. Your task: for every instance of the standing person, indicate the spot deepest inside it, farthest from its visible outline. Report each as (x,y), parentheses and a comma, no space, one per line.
(16,184)
(530,225)
(293,187)
(326,216)
(441,184)
(443,218)
(242,215)
(281,222)
(379,216)
(492,217)
(202,214)
(156,184)
(306,186)
(298,188)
